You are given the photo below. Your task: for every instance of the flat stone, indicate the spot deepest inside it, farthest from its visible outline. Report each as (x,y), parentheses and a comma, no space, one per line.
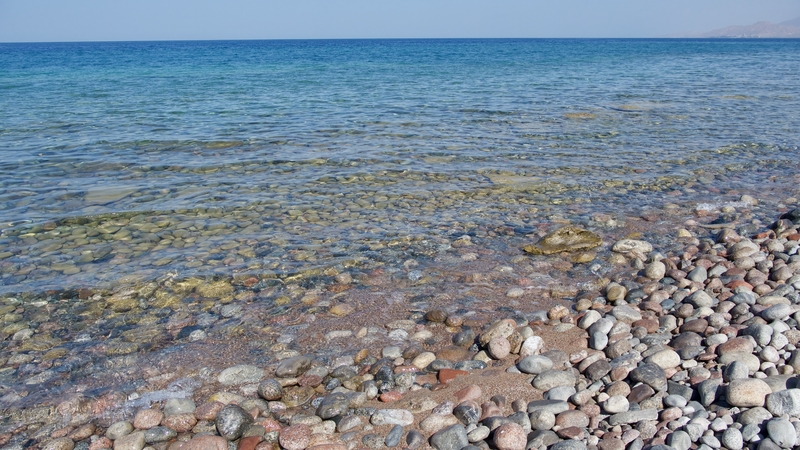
(133,441)
(708,390)
(205,442)
(650,374)
(241,374)
(535,364)
(453,437)
(632,245)
(564,239)
(553,406)
(598,369)
(296,437)
(292,367)
(633,416)
(747,392)
(666,359)
(777,312)
(402,417)
(625,313)
(616,404)
(783,402)
(568,445)
(270,389)
(175,406)
(553,378)
(394,436)
(782,432)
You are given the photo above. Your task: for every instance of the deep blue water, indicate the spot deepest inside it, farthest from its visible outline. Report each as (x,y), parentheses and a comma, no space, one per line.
(297,127)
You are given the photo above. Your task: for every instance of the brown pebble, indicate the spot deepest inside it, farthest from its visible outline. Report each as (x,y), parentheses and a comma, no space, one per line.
(208,410)
(205,442)
(295,437)
(571,433)
(147,418)
(572,418)
(640,393)
(490,409)
(248,443)
(391,396)
(436,316)
(471,392)
(104,442)
(61,432)
(447,375)
(453,353)
(648,324)
(82,432)
(510,436)
(361,356)
(696,325)
(611,444)
(180,423)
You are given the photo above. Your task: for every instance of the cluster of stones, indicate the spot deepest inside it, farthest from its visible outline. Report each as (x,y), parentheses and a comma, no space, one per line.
(699,351)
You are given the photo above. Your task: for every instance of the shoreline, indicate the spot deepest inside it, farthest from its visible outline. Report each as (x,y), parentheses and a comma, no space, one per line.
(402,330)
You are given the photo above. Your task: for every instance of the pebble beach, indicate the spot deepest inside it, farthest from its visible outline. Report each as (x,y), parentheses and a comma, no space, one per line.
(689,348)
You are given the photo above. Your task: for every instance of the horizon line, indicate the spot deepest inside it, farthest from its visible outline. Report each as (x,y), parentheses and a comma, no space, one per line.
(721,38)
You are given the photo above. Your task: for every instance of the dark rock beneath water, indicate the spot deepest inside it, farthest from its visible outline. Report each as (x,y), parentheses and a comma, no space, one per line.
(565,239)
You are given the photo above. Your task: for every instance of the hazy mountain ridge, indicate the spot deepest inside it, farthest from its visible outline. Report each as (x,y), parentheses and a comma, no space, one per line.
(788,29)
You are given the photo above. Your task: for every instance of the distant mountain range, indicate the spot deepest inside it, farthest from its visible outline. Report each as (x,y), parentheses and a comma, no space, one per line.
(788,29)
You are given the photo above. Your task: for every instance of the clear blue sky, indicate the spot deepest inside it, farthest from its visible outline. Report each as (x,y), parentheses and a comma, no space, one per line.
(104,20)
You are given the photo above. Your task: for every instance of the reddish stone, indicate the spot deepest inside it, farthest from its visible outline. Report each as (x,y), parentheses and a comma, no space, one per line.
(426,378)
(651,306)
(147,418)
(735,345)
(60,432)
(268,446)
(793,237)
(82,432)
(327,447)
(764,235)
(205,442)
(391,396)
(447,375)
(104,442)
(648,324)
(591,410)
(248,443)
(736,283)
(250,281)
(295,437)
(471,392)
(310,380)
(611,444)
(696,325)
(571,433)
(180,423)
(270,424)
(208,410)
(490,409)
(406,369)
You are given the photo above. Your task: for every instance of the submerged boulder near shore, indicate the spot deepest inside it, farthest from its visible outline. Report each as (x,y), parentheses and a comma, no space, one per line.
(565,239)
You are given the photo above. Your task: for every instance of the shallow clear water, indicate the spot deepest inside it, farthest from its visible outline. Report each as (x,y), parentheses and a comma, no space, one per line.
(133,160)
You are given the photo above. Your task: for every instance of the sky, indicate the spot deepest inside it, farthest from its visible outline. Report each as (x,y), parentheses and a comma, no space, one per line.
(133,20)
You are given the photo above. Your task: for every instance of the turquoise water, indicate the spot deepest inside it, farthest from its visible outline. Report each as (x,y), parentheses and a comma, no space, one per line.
(211,158)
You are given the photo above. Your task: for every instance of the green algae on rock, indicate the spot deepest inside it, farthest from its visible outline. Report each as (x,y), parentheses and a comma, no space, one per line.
(564,239)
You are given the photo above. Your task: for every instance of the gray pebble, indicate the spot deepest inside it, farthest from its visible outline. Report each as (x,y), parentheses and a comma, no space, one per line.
(394,436)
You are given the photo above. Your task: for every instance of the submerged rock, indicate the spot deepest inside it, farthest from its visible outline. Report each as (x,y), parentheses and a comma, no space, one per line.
(565,239)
